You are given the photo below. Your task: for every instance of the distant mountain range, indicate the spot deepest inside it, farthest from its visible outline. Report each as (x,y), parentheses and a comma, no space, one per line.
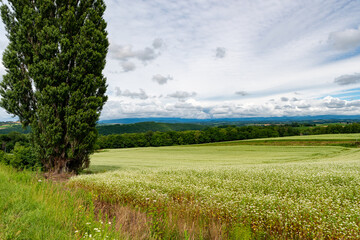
(321,118)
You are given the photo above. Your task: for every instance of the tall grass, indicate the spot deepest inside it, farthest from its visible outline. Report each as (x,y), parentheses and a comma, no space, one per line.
(34,208)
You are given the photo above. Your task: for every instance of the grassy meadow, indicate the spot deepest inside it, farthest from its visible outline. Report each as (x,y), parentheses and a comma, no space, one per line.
(237,190)
(32,207)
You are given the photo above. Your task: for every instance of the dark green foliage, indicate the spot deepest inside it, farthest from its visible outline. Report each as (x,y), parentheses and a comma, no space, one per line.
(2,158)
(22,157)
(333,128)
(54,80)
(8,141)
(25,158)
(146,126)
(208,135)
(216,134)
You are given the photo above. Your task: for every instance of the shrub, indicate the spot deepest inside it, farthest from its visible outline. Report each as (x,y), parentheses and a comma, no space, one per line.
(2,157)
(22,157)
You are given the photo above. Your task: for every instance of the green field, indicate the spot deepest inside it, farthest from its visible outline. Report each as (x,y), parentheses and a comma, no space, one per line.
(270,191)
(350,136)
(230,154)
(216,155)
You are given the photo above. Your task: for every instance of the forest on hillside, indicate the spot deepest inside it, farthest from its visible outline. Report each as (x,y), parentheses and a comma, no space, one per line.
(218,134)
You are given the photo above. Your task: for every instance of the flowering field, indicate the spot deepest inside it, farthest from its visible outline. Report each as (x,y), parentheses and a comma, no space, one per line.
(274,191)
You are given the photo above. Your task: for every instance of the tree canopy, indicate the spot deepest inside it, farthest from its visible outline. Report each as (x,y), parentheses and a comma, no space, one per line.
(54,81)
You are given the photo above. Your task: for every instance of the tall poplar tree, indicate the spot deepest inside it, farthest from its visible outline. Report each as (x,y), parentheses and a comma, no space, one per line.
(54,80)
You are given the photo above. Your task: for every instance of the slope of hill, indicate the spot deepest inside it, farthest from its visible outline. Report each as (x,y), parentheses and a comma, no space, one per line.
(8,127)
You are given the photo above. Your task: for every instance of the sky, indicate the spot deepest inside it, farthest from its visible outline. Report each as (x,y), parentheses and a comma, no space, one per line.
(230,58)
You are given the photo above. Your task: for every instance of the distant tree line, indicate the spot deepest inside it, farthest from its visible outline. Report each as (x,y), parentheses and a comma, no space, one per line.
(208,135)
(332,129)
(217,134)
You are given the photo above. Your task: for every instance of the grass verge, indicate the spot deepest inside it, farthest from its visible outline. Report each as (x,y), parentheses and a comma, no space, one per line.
(34,208)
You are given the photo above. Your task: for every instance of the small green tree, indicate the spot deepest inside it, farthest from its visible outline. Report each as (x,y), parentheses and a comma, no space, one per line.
(53,79)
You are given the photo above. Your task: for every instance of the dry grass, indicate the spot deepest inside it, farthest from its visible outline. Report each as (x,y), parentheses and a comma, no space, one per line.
(133,223)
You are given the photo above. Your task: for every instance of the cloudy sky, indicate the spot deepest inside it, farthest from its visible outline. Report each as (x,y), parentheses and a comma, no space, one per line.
(230,58)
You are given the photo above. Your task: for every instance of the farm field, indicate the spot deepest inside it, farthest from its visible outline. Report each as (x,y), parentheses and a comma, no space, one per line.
(324,137)
(345,140)
(232,190)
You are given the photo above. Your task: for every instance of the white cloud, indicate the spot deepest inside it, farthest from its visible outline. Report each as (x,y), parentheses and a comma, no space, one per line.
(153,107)
(220,52)
(348,79)
(128,66)
(121,52)
(347,39)
(161,80)
(158,43)
(355,103)
(303,106)
(182,95)
(242,93)
(331,102)
(145,55)
(126,52)
(127,93)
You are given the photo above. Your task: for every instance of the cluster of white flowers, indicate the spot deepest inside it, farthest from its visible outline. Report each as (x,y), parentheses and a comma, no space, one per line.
(93,232)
